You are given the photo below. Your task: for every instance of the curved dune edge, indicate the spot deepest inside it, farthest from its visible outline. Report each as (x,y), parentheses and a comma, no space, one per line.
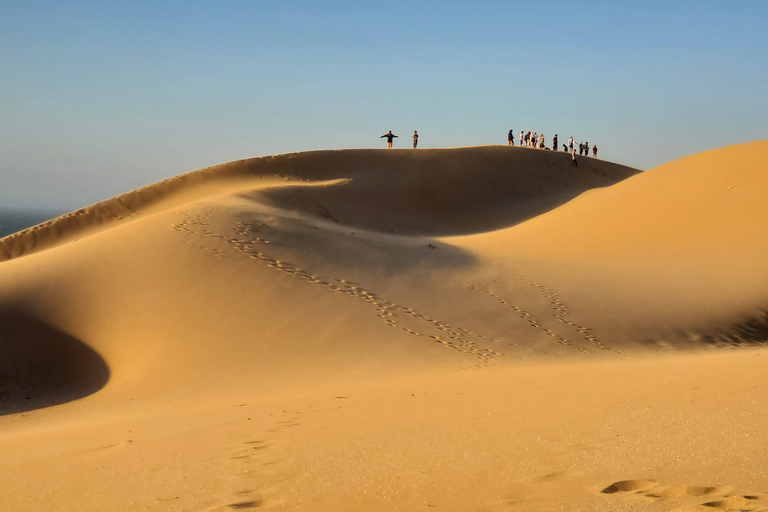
(142,201)
(537,180)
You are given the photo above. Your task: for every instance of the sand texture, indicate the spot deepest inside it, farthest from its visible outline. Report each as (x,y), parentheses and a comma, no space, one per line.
(472,329)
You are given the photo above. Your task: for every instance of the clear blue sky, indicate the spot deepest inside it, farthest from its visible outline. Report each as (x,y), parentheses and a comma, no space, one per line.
(100,97)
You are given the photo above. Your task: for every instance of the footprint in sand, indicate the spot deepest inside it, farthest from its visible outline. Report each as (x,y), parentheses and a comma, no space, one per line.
(246,504)
(689,497)
(254,467)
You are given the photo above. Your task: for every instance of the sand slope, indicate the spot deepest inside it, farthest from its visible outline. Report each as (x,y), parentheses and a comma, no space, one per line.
(463,329)
(680,246)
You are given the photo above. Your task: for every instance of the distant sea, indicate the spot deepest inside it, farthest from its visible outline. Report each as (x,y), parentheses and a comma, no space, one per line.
(13,220)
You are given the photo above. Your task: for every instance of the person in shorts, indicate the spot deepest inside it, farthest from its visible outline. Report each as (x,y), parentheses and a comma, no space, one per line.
(390,137)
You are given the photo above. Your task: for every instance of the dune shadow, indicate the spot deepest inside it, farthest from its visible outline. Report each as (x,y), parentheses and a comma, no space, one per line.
(41,366)
(751,332)
(291,238)
(442,192)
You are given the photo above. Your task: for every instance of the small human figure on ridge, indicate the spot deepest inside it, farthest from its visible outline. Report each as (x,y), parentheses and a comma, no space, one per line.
(390,137)
(511,138)
(415,137)
(594,151)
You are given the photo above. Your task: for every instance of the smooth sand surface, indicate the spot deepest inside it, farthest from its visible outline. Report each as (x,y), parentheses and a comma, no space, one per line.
(480,329)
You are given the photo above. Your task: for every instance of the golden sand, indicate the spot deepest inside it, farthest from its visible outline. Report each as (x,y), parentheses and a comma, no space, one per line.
(482,329)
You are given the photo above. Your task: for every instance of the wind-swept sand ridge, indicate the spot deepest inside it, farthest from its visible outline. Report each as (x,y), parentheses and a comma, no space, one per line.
(278,335)
(451,190)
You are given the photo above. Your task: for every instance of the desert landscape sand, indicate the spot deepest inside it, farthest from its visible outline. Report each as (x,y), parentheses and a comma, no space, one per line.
(481,329)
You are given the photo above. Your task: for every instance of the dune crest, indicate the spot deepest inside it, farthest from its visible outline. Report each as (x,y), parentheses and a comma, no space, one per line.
(436,191)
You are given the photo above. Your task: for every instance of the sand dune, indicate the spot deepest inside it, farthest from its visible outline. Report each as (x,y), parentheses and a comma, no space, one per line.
(464,329)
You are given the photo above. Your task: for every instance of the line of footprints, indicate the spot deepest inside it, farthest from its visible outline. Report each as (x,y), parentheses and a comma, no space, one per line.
(456,338)
(258,468)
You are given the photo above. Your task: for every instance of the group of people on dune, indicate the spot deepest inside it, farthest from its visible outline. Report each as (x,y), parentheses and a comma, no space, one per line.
(535,140)
(530,140)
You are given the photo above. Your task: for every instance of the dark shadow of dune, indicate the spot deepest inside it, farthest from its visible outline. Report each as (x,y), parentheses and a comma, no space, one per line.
(443,192)
(41,366)
(750,332)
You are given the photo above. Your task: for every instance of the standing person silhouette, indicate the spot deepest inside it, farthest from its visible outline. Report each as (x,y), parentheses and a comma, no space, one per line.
(594,151)
(390,137)
(554,143)
(511,138)
(415,137)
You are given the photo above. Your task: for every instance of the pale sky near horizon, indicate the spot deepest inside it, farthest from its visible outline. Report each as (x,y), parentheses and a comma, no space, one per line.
(99,98)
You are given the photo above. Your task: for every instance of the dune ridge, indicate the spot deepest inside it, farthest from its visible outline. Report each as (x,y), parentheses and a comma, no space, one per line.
(529,182)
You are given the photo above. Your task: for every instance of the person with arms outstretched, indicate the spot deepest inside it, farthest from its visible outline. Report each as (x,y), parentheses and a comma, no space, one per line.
(390,137)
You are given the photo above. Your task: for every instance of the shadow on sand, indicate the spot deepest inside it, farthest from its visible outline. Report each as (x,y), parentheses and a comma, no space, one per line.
(41,366)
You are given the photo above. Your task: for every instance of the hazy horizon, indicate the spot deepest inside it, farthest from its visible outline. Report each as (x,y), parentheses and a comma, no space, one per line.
(13,220)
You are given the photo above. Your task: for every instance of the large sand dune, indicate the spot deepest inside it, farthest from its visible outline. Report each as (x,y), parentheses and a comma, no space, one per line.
(466,329)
